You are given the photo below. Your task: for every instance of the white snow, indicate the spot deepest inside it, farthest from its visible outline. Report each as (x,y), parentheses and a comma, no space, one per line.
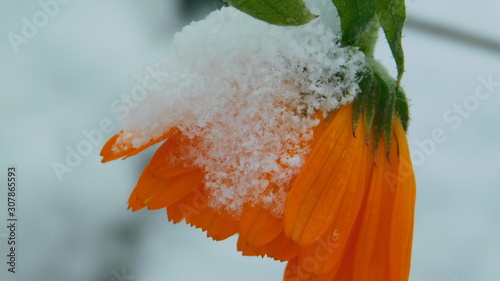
(246,91)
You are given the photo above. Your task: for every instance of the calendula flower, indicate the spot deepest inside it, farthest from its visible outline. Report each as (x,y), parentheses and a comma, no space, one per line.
(270,133)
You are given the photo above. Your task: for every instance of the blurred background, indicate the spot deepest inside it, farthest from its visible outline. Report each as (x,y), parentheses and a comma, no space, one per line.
(58,84)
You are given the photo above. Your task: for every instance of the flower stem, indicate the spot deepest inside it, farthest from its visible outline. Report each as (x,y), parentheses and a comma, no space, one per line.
(367,43)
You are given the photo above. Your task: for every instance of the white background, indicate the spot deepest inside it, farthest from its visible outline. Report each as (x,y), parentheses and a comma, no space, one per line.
(65,78)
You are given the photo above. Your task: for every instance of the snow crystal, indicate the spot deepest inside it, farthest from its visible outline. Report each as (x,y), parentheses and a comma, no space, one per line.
(246,90)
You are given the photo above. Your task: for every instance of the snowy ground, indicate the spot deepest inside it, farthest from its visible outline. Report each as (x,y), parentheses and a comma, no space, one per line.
(61,84)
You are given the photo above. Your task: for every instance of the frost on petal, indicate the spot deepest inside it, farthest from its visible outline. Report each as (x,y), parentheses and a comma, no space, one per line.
(246,91)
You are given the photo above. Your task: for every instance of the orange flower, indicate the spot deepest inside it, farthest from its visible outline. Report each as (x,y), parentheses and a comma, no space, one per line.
(348,213)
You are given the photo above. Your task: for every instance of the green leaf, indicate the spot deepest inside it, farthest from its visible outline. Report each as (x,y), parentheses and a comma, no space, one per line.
(392,15)
(356,18)
(278,12)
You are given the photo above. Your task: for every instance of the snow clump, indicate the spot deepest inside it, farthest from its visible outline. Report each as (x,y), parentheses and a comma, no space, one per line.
(247,91)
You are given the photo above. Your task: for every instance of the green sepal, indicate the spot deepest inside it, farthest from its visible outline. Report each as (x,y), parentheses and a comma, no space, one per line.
(378,103)
(383,100)
(364,103)
(360,99)
(402,108)
(388,124)
(277,12)
(357,109)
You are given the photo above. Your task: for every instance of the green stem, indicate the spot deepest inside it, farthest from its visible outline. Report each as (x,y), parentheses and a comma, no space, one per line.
(367,43)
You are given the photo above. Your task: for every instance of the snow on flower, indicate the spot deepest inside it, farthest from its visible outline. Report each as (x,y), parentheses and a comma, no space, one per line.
(245,92)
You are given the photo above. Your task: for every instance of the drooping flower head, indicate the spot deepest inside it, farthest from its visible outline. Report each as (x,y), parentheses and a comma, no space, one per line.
(282,136)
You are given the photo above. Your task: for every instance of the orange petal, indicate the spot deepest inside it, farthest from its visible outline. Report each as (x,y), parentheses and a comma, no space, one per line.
(298,271)
(292,271)
(174,214)
(161,184)
(175,189)
(189,206)
(221,226)
(343,270)
(258,226)
(282,248)
(371,251)
(401,232)
(248,249)
(110,152)
(194,209)
(218,224)
(328,250)
(316,193)
(145,182)
(156,192)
